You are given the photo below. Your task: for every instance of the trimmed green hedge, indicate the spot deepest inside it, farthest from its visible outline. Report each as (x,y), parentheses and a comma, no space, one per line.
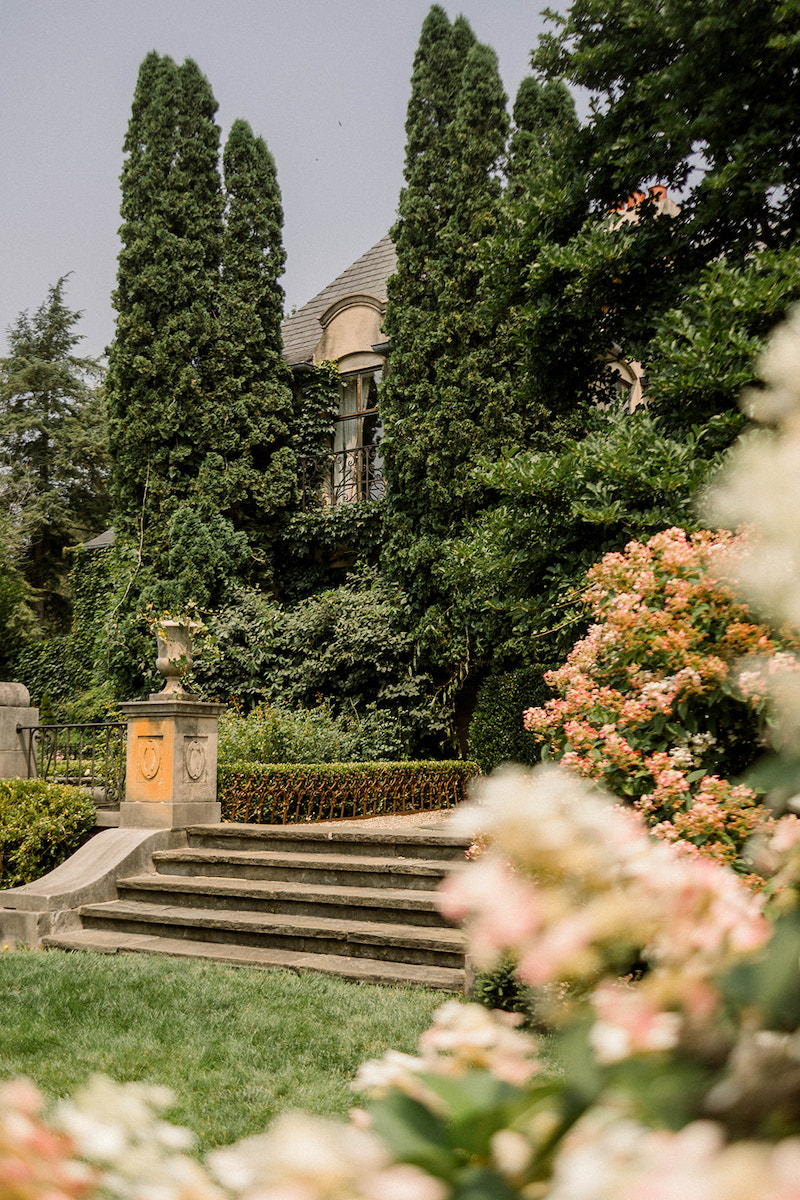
(41,824)
(282,793)
(496,732)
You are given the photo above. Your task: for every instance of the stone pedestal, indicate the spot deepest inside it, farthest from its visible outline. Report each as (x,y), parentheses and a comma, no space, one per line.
(171,772)
(16,718)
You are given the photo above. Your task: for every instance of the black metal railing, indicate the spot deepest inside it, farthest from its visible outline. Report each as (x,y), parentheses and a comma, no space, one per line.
(341,477)
(88,756)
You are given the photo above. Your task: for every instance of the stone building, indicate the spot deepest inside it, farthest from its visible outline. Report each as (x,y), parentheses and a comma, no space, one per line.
(343,324)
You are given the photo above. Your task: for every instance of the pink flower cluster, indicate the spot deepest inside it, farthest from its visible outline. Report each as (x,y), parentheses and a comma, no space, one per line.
(660,663)
(463,1037)
(37,1162)
(609,1157)
(574,889)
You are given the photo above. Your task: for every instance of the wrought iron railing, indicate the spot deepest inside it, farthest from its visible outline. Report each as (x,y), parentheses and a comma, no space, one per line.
(341,477)
(88,756)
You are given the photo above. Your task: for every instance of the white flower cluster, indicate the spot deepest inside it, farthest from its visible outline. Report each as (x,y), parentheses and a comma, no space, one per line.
(308,1158)
(610,1157)
(462,1037)
(116,1127)
(571,883)
(761,485)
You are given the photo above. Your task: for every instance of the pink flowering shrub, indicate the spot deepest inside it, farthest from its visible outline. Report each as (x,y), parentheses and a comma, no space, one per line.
(37,1162)
(663,700)
(679,1082)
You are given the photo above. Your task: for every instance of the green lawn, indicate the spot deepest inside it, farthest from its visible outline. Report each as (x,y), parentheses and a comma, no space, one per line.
(236,1045)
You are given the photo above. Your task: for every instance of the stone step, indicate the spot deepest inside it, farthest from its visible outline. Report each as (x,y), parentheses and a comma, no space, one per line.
(409,906)
(362,970)
(411,843)
(349,870)
(294,932)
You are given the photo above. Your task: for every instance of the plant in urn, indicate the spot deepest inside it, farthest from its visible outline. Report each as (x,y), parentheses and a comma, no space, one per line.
(174,654)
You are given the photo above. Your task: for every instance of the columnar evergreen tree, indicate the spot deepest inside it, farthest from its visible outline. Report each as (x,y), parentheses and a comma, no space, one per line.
(412,317)
(53,450)
(544,204)
(253,392)
(161,402)
(433,400)
(463,420)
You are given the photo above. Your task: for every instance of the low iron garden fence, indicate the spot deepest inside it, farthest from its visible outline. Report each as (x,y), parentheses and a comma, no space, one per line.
(88,756)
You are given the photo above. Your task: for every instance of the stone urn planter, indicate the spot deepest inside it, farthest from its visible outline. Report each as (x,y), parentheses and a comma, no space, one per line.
(174,654)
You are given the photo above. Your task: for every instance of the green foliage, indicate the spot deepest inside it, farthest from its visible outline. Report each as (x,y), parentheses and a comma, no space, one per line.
(701,96)
(321,545)
(41,824)
(316,407)
(17,621)
(496,733)
(544,132)
(71,670)
(679,97)
(500,989)
(54,459)
(162,412)
(704,350)
(350,646)
(274,733)
(284,793)
(437,403)
(199,396)
(521,568)
(253,383)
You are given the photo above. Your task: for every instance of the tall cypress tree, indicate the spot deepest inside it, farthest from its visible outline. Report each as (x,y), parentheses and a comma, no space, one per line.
(253,392)
(160,399)
(464,421)
(412,315)
(431,402)
(544,205)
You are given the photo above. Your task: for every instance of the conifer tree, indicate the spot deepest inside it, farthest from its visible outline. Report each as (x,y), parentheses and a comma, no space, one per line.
(253,390)
(53,452)
(162,412)
(544,205)
(432,399)
(463,422)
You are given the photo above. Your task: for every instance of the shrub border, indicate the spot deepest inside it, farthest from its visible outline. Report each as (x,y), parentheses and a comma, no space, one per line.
(285,793)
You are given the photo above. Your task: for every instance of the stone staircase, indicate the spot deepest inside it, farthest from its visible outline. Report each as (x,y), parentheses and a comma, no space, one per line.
(348,902)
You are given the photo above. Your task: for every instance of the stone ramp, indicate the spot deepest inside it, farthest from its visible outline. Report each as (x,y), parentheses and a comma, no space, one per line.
(350,902)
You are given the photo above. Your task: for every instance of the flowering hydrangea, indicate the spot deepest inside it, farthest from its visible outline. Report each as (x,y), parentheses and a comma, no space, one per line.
(572,884)
(36,1161)
(680,1080)
(308,1158)
(463,1037)
(118,1128)
(658,701)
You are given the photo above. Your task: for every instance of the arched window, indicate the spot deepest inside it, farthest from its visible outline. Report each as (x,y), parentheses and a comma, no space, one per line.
(357,469)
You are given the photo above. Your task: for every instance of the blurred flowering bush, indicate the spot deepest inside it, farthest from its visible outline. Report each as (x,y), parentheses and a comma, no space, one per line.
(673,1070)
(663,701)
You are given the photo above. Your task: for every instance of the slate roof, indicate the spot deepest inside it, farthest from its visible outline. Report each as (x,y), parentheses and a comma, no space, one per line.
(106,538)
(368,274)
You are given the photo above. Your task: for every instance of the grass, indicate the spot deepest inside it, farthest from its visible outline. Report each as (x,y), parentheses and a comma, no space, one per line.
(236,1045)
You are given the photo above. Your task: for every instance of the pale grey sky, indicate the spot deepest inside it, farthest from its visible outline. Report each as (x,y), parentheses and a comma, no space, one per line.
(324,82)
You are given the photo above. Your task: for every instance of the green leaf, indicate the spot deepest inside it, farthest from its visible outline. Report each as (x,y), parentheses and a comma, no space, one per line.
(480,1183)
(414,1134)
(771,981)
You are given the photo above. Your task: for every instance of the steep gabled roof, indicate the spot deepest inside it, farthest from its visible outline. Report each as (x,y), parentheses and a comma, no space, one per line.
(367,275)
